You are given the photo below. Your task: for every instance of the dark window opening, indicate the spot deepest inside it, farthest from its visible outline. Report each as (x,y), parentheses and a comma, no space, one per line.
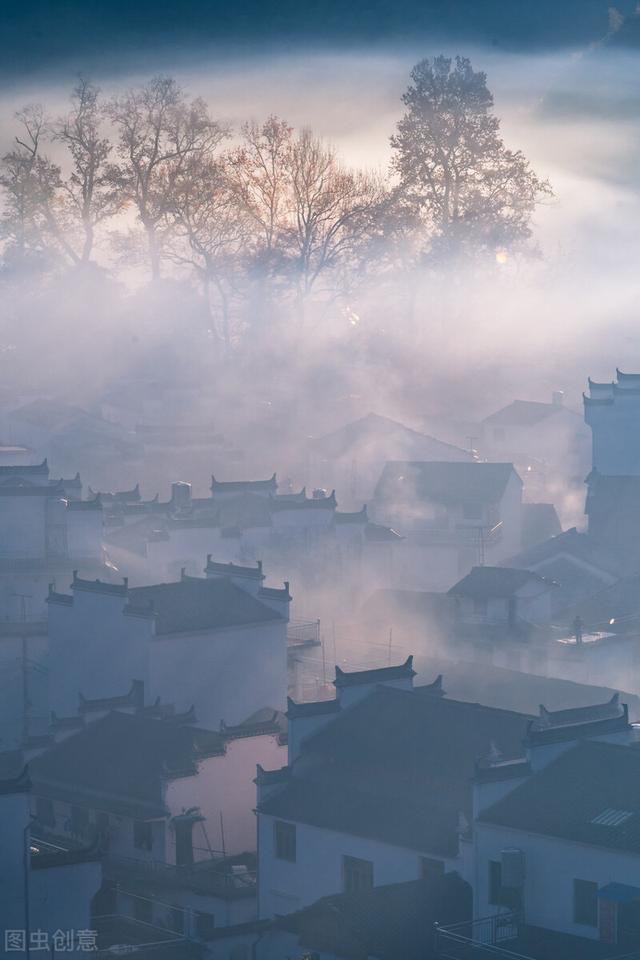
(356,874)
(499,895)
(431,869)
(585,902)
(285,840)
(184,842)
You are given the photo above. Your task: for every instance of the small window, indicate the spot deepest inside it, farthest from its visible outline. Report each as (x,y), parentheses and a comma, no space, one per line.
(480,606)
(431,869)
(356,874)
(472,511)
(285,840)
(500,896)
(44,812)
(142,834)
(585,902)
(205,925)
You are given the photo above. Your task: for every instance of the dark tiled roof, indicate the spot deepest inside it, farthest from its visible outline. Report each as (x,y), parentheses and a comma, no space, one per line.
(310,503)
(95,504)
(581,786)
(579,545)
(124,756)
(579,722)
(358,516)
(234,569)
(133,698)
(194,603)
(376,435)
(243,486)
(402,671)
(100,586)
(120,496)
(444,482)
(427,747)
(484,582)
(275,593)
(512,690)
(524,413)
(576,715)
(30,470)
(316,708)
(539,522)
(391,922)
(377,533)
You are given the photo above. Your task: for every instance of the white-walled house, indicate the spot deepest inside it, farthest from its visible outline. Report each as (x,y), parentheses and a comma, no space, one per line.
(45,530)
(503,598)
(218,644)
(555,835)
(377,788)
(170,804)
(548,438)
(453,516)
(157,788)
(352,457)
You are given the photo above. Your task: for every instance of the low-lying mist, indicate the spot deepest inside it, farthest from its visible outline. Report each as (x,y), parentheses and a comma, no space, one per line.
(474,338)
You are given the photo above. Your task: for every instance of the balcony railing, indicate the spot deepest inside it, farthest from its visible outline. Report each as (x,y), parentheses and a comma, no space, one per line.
(474,939)
(502,935)
(303,633)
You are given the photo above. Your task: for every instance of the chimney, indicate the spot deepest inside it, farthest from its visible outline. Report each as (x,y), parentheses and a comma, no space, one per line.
(557,398)
(180,493)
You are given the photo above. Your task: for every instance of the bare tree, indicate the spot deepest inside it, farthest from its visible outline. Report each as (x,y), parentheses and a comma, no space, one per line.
(309,213)
(159,131)
(332,214)
(258,174)
(211,232)
(471,192)
(30,184)
(90,190)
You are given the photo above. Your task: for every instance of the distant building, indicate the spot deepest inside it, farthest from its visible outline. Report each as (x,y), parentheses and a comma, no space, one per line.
(547,442)
(612,411)
(502,599)
(217,643)
(453,516)
(46,530)
(352,457)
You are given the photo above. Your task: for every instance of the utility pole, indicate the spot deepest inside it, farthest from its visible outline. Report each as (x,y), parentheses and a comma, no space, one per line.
(23,597)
